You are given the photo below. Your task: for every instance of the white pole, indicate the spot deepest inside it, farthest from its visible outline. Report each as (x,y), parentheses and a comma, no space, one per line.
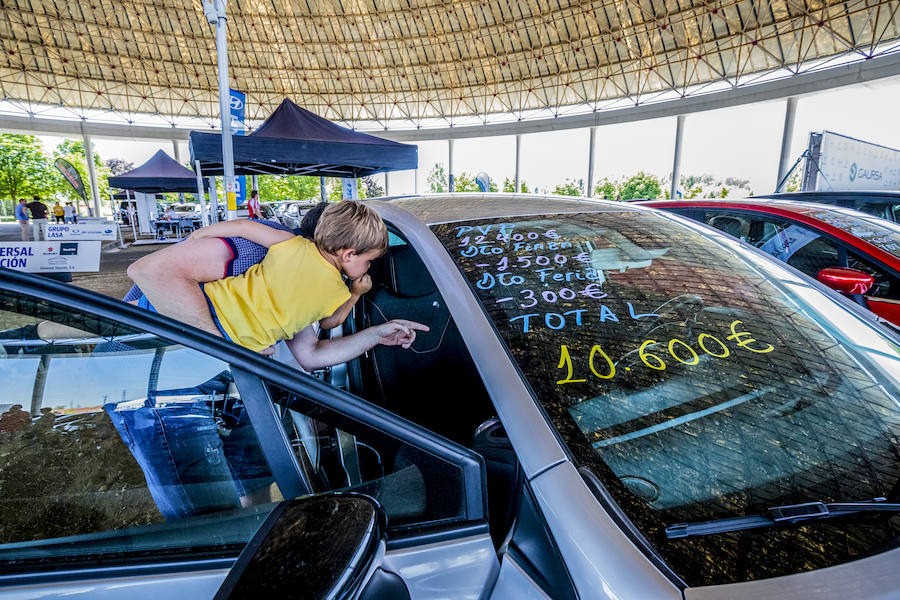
(416,180)
(676,165)
(518,186)
(451,182)
(590,179)
(387,184)
(176,152)
(92,172)
(215,14)
(789,113)
(201,197)
(213,200)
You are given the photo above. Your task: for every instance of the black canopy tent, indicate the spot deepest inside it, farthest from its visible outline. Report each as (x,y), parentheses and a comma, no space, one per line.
(294,141)
(160,173)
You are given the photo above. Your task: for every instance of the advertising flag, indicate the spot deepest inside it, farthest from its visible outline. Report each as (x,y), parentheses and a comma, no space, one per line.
(238,112)
(72,176)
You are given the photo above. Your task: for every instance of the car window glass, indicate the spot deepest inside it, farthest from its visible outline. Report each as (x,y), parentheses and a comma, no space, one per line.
(696,380)
(886,284)
(118,445)
(883,234)
(337,453)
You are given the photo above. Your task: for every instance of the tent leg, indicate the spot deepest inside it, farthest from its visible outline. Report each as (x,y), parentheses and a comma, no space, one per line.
(204,217)
(322,189)
(213,200)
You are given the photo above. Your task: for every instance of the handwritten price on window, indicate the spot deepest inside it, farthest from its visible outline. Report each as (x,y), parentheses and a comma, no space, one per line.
(602,366)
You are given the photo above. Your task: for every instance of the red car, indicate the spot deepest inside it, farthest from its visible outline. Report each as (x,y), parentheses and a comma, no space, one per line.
(849,251)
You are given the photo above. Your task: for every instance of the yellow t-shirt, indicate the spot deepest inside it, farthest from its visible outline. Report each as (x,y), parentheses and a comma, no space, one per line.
(293,287)
(58,211)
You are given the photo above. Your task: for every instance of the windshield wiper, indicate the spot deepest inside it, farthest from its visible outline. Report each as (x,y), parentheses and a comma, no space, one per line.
(781,515)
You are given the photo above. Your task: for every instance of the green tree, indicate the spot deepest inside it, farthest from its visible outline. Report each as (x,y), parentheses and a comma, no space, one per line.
(642,185)
(273,188)
(117,166)
(793,183)
(509,184)
(571,187)
(370,188)
(24,169)
(73,151)
(437,179)
(606,189)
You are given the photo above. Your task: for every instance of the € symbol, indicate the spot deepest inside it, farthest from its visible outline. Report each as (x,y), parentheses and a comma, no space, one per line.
(737,335)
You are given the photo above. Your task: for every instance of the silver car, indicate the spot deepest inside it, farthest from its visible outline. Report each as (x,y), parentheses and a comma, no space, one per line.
(611,402)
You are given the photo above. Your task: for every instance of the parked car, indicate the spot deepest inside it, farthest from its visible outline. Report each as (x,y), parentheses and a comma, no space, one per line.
(883,204)
(814,238)
(292,213)
(611,403)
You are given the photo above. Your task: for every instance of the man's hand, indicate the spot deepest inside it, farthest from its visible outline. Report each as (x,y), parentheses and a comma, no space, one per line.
(361,286)
(398,332)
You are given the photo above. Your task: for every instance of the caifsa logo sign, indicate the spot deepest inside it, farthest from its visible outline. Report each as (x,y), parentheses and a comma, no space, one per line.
(236,103)
(852,168)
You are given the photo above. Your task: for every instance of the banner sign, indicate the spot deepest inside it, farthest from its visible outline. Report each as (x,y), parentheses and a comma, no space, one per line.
(50,257)
(836,162)
(349,189)
(72,176)
(97,230)
(238,112)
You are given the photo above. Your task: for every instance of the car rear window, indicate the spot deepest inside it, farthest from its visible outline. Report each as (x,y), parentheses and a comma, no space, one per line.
(696,380)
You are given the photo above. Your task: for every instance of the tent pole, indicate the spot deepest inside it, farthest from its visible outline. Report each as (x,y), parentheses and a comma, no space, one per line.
(204,217)
(213,200)
(322,188)
(451,182)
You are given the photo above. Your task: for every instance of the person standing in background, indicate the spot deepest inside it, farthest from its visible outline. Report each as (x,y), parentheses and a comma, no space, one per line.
(38,216)
(22,218)
(253,205)
(69,213)
(58,212)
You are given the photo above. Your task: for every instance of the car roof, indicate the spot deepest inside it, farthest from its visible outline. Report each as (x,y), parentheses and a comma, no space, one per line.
(878,196)
(444,208)
(794,206)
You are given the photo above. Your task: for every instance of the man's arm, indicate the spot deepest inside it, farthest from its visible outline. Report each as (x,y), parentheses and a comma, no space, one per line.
(357,289)
(249,230)
(313,353)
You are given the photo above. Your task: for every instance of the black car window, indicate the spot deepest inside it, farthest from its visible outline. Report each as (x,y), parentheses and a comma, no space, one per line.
(697,381)
(338,453)
(117,445)
(886,285)
(800,246)
(880,233)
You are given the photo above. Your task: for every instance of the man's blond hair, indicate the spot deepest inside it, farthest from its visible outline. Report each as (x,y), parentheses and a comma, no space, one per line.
(350,224)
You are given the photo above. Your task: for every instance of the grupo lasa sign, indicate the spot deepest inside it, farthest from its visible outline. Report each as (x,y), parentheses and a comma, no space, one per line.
(97,230)
(50,257)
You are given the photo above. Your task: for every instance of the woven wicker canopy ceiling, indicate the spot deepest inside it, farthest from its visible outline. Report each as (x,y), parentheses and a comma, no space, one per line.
(406,61)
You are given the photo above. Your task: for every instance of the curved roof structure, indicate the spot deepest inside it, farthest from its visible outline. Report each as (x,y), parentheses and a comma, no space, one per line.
(405,63)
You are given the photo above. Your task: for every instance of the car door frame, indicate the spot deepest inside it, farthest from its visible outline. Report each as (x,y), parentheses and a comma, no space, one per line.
(470,535)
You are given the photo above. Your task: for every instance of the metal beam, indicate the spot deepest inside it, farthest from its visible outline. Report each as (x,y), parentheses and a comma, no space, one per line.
(873,69)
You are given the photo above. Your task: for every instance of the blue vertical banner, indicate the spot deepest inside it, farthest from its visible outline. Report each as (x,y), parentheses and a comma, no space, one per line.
(237,104)
(349,190)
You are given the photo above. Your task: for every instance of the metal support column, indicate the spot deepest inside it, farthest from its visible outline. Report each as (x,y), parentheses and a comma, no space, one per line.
(176,152)
(518,186)
(322,195)
(92,173)
(254,184)
(215,15)
(451,182)
(387,184)
(590,180)
(676,165)
(783,163)
(416,180)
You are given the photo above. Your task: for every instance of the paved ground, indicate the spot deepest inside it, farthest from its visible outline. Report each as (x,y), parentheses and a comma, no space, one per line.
(111,280)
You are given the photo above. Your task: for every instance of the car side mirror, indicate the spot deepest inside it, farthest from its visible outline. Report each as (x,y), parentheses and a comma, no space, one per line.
(327,546)
(846,281)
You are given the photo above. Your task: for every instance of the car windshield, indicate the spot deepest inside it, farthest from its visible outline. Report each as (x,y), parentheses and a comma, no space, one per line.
(696,380)
(884,235)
